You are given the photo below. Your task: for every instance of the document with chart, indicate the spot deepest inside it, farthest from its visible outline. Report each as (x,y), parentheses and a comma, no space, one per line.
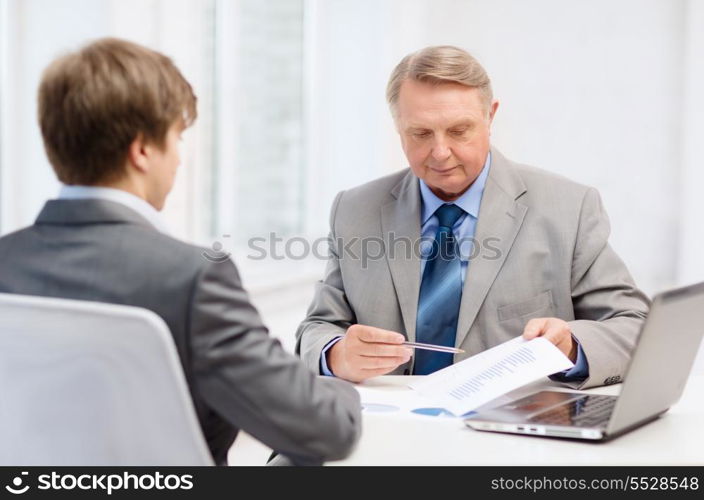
(467,385)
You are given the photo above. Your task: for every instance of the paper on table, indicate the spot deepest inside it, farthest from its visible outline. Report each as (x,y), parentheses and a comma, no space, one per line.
(388,400)
(467,385)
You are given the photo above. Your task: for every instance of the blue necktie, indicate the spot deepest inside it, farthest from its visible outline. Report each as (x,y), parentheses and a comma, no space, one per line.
(440,295)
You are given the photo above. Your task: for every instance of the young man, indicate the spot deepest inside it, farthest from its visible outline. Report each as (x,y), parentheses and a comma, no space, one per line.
(111,116)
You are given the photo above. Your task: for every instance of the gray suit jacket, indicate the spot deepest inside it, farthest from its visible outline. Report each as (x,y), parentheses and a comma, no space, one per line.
(239,377)
(541,250)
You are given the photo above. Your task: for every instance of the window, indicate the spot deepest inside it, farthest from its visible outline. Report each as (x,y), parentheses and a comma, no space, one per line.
(259,172)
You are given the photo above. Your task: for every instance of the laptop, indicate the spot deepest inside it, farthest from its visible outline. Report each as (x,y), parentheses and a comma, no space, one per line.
(662,359)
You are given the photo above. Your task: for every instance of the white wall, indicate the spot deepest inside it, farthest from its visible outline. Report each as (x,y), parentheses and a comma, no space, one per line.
(690,257)
(592,90)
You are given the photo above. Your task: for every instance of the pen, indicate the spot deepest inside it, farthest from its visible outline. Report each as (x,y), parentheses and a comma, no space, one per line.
(432,347)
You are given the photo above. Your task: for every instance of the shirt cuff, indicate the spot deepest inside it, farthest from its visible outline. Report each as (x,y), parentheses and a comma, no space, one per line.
(324,370)
(579,371)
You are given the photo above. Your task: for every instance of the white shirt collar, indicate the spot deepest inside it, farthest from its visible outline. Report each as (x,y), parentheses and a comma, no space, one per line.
(118,196)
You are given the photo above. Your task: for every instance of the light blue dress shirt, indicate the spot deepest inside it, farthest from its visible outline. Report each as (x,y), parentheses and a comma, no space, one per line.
(463,230)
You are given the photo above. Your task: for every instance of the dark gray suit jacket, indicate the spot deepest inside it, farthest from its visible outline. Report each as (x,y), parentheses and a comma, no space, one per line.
(239,377)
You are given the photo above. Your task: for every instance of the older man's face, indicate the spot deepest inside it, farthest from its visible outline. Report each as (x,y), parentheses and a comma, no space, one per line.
(445,132)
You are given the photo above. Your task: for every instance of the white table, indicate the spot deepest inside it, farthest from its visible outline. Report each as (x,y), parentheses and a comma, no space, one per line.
(406,439)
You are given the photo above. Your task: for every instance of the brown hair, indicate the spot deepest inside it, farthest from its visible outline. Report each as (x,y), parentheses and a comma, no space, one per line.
(95,102)
(439,64)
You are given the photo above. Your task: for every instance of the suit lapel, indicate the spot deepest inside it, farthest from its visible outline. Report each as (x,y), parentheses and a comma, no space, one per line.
(500,218)
(400,220)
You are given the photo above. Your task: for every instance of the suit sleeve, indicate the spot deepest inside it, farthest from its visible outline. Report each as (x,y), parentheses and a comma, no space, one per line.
(330,314)
(609,309)
(251,381)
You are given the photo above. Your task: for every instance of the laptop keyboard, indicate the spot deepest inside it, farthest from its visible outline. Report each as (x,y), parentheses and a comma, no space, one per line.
(588,411)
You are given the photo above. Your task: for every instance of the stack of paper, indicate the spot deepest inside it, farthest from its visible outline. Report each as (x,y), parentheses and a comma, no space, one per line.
(469,384)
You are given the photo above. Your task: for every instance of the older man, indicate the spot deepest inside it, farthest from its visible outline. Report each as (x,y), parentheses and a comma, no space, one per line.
(513,249)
